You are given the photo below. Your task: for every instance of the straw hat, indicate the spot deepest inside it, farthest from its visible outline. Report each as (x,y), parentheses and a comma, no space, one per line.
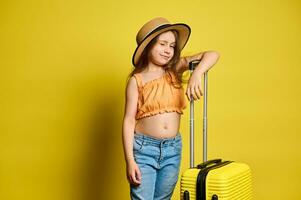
(153,28)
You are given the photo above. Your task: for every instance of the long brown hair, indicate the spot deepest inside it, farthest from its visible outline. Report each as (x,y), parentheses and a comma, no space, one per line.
(171,66)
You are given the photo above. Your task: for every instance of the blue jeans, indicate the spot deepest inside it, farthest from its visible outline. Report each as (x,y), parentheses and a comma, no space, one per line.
(159,163)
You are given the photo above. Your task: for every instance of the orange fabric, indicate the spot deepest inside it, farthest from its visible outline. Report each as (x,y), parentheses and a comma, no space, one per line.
(159,96)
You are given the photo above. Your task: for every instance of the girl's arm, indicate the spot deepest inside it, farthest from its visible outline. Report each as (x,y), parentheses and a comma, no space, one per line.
(129,120)
(128,128)
(208,59)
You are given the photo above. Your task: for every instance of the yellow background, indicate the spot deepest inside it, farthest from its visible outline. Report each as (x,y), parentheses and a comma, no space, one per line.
(63,69)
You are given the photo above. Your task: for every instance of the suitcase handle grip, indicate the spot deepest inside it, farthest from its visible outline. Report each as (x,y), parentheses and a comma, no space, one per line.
(209,162)
(193,64)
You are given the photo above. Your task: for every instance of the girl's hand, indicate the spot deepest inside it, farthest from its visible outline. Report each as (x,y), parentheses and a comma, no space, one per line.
(194,86)
(133,173)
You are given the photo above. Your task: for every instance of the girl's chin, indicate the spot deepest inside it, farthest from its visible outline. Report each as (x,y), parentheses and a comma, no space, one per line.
(161,62)
(164,61)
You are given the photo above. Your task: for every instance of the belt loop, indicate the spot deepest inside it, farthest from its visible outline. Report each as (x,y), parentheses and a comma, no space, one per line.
(162,143)
(143,139)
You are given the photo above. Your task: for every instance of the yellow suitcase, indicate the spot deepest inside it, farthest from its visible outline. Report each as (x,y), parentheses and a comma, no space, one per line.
(214,179)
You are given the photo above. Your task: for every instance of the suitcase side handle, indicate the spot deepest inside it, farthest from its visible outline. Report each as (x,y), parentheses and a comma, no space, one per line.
(209,162)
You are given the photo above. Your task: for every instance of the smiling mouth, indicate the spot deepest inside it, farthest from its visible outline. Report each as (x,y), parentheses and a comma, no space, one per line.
(166,57)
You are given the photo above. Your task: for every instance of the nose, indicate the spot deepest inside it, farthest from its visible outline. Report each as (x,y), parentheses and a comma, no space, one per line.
(167,50)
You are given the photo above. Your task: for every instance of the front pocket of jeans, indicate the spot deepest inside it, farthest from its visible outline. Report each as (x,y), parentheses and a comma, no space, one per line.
(137,145)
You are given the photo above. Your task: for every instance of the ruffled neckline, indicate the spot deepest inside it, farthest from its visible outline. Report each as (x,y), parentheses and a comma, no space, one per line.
(156,79)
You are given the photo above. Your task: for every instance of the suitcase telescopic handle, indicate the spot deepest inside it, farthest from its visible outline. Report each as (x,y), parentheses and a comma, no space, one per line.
(192,66)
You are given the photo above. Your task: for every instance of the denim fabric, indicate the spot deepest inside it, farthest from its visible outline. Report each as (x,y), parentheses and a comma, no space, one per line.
(159,162)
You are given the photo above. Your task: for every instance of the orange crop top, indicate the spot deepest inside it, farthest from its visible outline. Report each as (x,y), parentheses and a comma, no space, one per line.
(159,96)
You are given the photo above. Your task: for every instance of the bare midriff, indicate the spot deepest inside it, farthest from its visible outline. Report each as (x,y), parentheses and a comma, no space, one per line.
(165,125)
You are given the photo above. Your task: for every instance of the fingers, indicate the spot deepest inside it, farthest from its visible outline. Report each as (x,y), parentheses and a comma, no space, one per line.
(135,177)
(199,91)
(194,92)
(138,176)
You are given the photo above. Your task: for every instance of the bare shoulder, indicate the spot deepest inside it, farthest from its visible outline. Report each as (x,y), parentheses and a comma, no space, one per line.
(132,84)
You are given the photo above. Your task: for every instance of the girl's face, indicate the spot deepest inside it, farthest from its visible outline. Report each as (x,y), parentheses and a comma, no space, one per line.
(163,50)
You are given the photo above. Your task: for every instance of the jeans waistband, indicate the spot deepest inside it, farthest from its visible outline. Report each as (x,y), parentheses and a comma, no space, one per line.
(157,141)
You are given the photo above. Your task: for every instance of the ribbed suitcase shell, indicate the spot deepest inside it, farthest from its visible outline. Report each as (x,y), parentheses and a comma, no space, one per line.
(229,182)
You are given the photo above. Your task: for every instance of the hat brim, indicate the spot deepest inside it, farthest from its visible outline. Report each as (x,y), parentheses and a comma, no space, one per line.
(183,30)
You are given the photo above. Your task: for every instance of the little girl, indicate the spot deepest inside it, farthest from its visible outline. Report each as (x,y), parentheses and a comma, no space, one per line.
(154,103)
